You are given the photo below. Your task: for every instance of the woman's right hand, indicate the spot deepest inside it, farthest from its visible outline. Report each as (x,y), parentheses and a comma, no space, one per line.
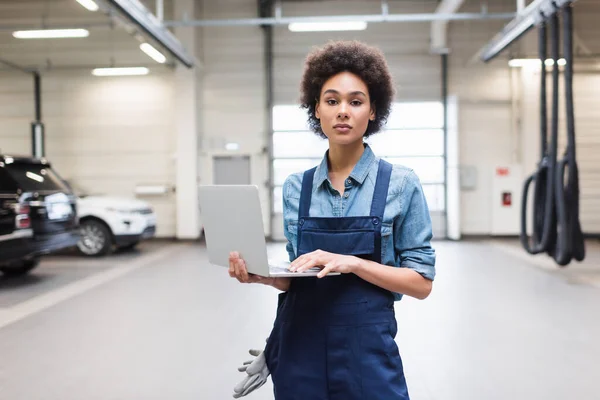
(237,269)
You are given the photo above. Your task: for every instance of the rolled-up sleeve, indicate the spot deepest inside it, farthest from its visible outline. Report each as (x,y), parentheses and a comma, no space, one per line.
(413,231)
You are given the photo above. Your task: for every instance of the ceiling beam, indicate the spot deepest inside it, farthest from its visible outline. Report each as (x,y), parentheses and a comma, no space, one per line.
(531,16)
(412,17)
(136,13)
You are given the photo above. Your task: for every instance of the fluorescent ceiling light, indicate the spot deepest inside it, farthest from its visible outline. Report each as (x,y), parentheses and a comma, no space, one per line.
(51,34)
(327,26)
(140,16)
(153,53)
(232,146)
(89,4)
(534,62)
(120,71)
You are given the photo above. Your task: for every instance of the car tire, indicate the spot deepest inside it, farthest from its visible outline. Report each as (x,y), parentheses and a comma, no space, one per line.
(96,239)
(20,268)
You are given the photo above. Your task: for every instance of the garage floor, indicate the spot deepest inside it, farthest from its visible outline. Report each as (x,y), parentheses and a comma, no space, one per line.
(160,323)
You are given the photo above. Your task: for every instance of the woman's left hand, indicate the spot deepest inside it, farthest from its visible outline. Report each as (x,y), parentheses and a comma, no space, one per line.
(329,262)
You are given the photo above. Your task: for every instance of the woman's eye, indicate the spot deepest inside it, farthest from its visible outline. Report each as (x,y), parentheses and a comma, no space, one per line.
(356,103)
(331,102)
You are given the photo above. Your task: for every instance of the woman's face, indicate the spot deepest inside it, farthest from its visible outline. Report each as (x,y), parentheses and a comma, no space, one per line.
(344,108)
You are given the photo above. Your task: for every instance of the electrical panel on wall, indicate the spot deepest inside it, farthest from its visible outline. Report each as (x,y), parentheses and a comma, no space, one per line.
(468,177)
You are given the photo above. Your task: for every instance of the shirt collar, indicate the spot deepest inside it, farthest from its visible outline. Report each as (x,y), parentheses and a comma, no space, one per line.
(359,172)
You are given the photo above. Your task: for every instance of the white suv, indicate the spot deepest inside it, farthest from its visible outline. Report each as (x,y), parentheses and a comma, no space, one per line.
(108,222)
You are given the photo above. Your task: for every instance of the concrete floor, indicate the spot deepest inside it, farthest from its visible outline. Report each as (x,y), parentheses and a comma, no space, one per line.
(161,323)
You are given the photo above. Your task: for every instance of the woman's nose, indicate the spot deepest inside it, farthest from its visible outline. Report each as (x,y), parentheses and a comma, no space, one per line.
(343,111)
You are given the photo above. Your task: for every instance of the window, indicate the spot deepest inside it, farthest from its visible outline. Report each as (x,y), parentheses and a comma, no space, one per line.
(35,177)
(290,144)
(413,137)
(421,115)
(394,143)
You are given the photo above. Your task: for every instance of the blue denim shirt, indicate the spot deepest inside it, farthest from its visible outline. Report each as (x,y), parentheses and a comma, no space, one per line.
(406,230)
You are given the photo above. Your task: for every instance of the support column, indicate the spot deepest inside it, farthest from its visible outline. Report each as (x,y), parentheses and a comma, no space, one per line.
(265,10)
(187,130)
(38,136)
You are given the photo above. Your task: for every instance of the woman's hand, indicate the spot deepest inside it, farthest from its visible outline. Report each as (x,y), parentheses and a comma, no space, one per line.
(329,262)
(237,269)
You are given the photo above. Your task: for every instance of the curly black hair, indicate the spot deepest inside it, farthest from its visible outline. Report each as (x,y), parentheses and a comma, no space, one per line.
(367,62)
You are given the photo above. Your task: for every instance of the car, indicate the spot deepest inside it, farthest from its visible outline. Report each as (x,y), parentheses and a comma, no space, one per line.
(108,222)
(38,213)
(16,255)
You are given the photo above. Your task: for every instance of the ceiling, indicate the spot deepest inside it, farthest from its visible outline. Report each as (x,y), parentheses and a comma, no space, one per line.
(110,44)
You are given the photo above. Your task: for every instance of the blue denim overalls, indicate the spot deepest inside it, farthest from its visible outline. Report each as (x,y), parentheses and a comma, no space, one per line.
(333,338)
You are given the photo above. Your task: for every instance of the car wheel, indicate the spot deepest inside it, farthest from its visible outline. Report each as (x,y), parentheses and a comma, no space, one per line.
(20,268)
(96,239)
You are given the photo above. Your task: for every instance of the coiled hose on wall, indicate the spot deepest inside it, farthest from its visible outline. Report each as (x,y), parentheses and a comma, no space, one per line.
(556,227)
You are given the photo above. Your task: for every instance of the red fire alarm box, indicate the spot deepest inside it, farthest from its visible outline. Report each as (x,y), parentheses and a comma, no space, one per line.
(506,199)
(502,171)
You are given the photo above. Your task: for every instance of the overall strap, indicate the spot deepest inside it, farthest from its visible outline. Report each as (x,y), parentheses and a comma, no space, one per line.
(306,194)
(381,189)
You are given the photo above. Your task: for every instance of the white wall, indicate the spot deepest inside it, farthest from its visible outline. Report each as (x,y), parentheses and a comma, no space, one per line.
(484,123)
(16,113)
(105,134)
(417,73)
(233,88)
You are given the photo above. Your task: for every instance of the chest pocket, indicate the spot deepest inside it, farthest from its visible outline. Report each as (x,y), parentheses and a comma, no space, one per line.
(387,243)
(352,243)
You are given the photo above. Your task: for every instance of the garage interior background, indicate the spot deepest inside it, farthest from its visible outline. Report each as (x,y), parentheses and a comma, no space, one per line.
(110,135)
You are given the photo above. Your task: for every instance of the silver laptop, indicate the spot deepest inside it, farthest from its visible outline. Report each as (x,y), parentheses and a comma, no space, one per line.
(233,221)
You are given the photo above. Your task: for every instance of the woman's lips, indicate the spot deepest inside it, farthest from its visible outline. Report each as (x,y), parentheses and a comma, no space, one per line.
(342,128)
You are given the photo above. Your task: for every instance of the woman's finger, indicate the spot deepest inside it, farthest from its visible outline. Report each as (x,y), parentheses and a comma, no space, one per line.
(310,262)
(243,270)
(328,268)
(317,259)
(231,265)
(298,261)
(238,270)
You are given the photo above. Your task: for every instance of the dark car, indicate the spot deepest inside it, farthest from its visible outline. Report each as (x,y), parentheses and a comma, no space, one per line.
(37,213)
(16,255)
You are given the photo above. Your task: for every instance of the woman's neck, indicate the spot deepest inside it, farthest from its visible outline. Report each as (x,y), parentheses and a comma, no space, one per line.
(343,158)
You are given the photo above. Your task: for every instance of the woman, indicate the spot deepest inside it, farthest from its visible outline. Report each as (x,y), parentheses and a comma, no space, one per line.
(333,338)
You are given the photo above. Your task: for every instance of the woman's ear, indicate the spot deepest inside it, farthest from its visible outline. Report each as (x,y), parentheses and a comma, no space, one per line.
(317,110)
(372,115)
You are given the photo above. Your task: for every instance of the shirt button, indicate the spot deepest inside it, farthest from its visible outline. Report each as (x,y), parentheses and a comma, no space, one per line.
(348,181)
(346,195)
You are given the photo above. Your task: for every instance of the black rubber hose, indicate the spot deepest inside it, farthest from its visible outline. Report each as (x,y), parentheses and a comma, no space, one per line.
(532,246)
(544,222)
(570,241)
(550,215)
